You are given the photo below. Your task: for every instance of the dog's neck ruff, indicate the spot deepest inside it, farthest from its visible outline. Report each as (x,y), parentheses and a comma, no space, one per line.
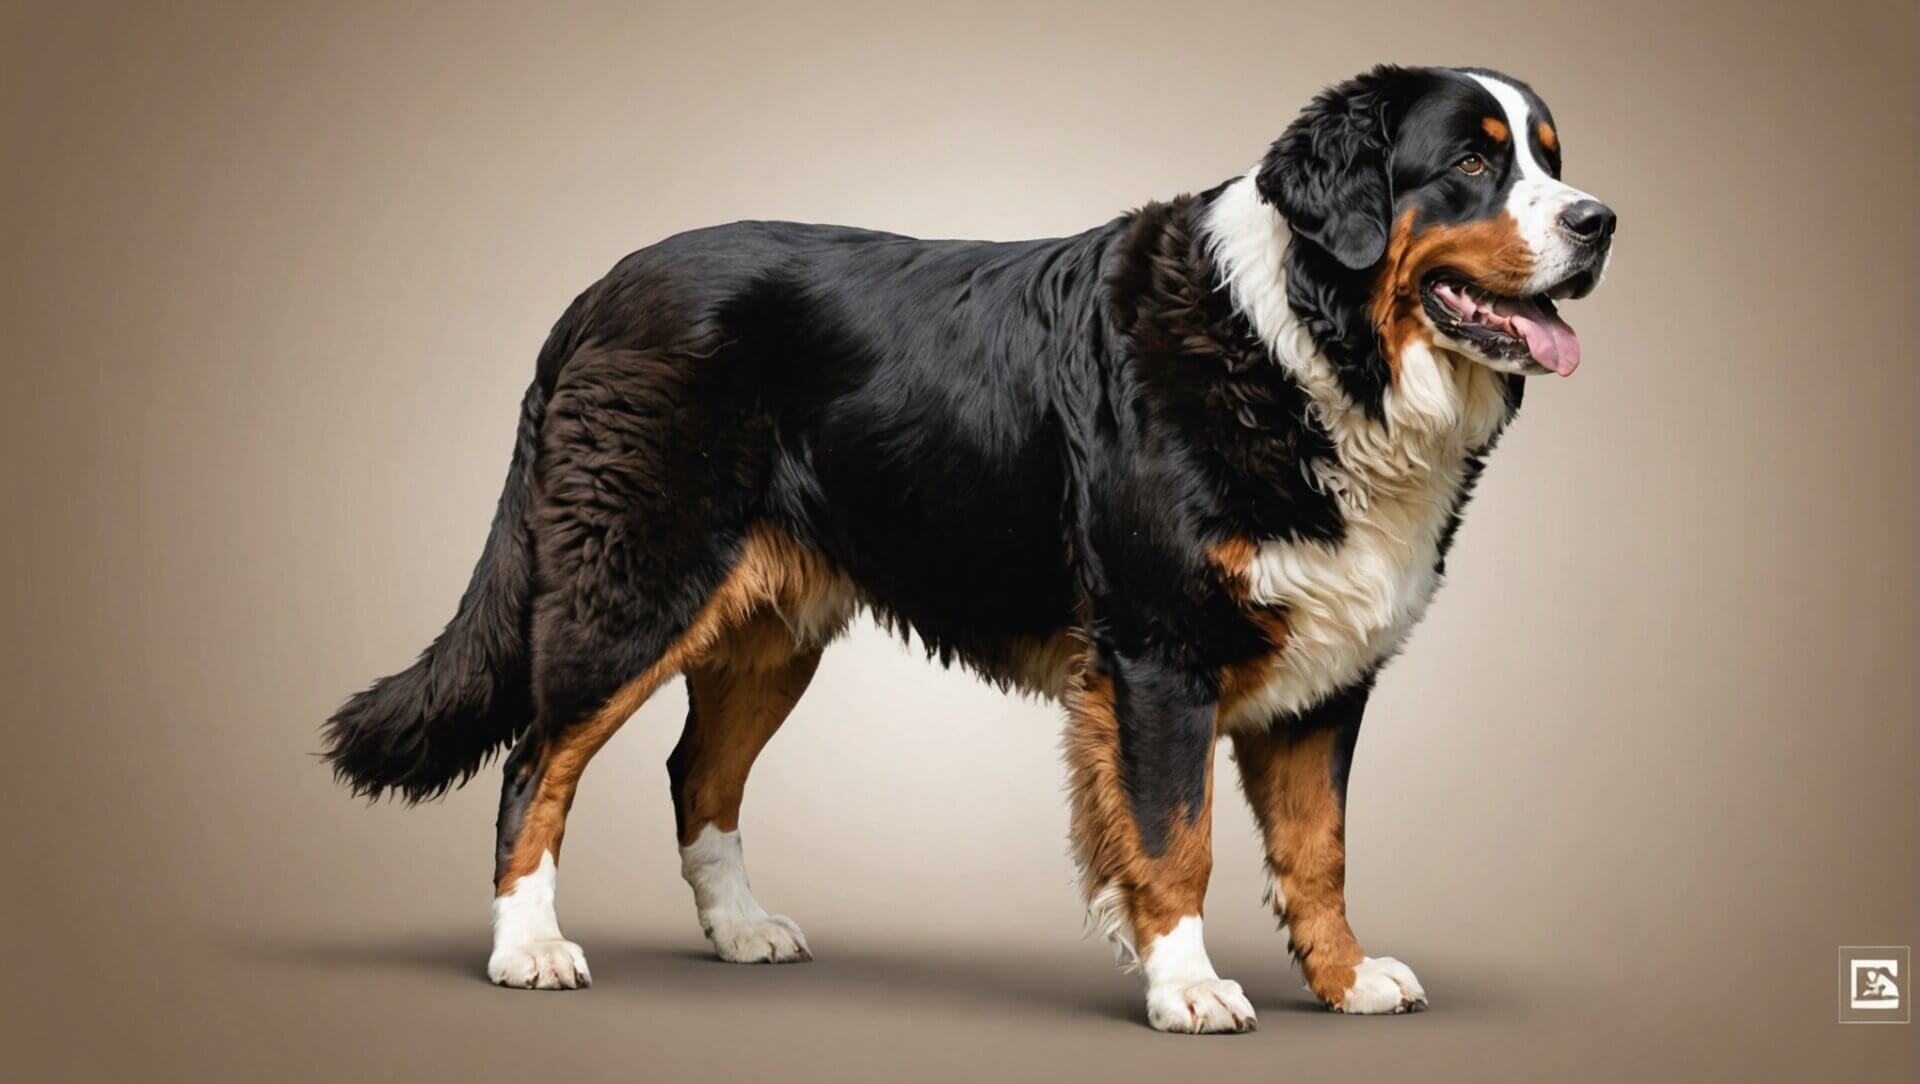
(1398,477)
(1438,406)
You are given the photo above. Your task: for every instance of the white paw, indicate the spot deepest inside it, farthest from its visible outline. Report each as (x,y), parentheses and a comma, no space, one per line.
(540,965)
(774,939)
(1383,985)
(1201,1008)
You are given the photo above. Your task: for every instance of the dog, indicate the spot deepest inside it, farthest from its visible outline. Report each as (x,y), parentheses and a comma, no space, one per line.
(1193,474)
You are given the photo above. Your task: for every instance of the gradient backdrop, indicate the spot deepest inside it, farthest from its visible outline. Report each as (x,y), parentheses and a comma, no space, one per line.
(274,282)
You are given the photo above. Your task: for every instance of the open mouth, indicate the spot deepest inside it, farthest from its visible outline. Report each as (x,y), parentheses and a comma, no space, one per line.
(1518,330)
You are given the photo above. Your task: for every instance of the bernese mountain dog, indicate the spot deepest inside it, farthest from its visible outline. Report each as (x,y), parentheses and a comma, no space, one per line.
(1192,473)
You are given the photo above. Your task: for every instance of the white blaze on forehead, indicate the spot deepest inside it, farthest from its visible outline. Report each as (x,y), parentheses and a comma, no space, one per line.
(1537,197)
(1514,105)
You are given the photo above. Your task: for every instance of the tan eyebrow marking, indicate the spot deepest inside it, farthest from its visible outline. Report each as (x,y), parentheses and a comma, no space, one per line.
(1496,128)
(1547,138)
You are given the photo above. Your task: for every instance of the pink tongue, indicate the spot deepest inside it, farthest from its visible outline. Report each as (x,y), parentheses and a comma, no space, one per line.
(1551,342)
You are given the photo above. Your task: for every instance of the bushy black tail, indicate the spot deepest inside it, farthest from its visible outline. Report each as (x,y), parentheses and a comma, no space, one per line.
(429,727)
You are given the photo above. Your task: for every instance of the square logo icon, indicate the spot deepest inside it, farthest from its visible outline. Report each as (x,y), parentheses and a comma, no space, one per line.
(1874,984)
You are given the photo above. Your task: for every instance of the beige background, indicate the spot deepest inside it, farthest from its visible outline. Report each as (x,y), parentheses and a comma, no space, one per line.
(274,283)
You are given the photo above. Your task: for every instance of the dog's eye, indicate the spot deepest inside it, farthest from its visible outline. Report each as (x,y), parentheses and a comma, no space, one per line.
(1472,165)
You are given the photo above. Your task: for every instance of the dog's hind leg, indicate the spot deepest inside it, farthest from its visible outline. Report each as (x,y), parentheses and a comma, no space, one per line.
(544,771)
(648,481)
(542,776)
(737,698)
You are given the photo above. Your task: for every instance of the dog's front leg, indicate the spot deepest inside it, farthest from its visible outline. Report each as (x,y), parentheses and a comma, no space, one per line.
(1140,747)
(1295,776)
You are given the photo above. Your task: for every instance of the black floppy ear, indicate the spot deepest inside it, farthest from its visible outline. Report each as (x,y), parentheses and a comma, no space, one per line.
(1327,173)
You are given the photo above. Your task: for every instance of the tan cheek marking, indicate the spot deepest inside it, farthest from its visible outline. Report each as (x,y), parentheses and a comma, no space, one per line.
(1547,138)
(1489,253)
(1495,127)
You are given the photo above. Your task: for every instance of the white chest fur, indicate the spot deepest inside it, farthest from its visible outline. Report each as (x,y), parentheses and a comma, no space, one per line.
(1349,605)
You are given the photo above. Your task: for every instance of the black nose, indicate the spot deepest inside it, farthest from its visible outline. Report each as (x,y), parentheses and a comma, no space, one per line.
(1589,220)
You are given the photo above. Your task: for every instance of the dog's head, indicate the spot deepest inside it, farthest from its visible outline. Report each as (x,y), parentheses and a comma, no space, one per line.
(1437,191)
